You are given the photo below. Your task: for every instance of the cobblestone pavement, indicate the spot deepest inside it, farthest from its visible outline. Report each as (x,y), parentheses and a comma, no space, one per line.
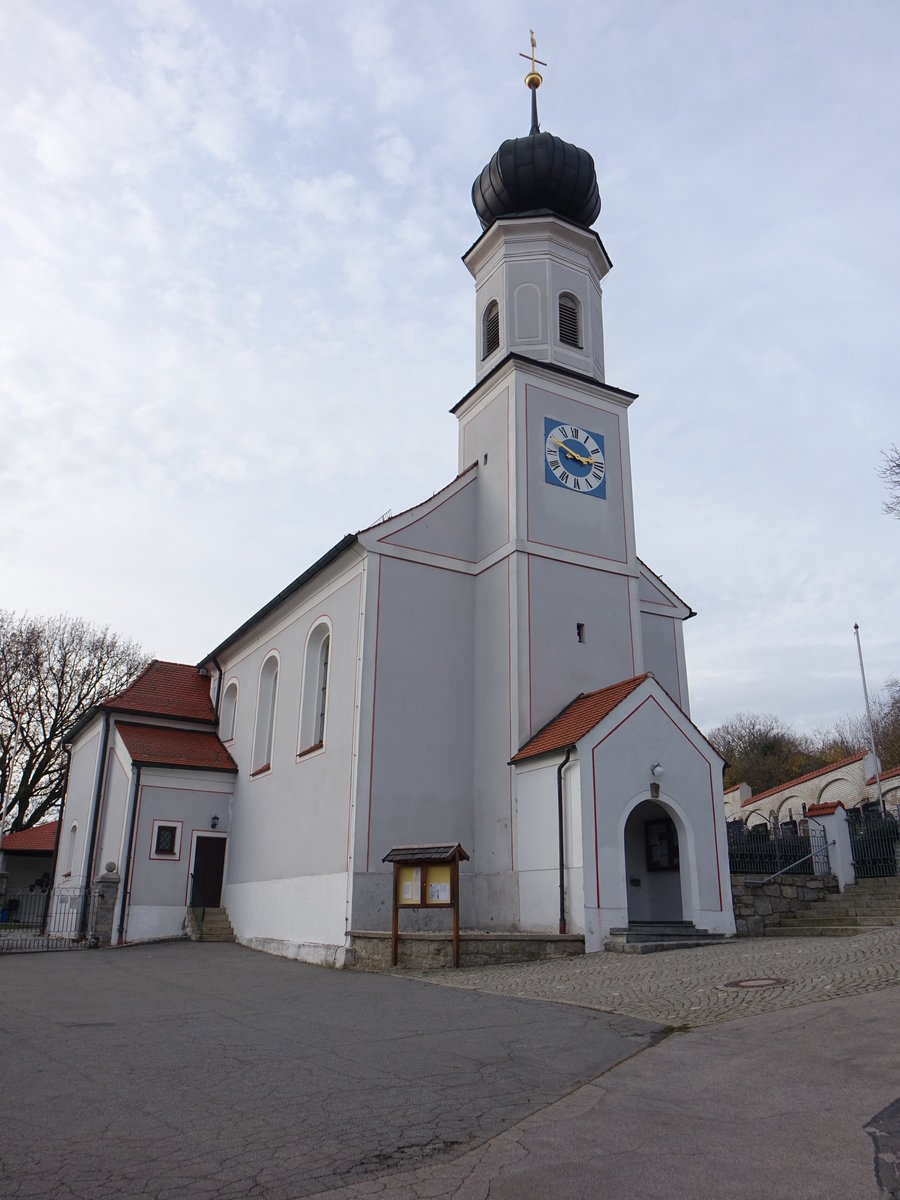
(689,987)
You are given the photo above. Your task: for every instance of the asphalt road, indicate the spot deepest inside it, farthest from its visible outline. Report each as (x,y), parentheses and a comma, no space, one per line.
(211,1072)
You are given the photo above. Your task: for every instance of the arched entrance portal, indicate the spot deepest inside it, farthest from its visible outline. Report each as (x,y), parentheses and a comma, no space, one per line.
(652,865)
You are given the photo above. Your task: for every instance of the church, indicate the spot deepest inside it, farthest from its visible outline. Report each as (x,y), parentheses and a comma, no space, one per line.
(494,669)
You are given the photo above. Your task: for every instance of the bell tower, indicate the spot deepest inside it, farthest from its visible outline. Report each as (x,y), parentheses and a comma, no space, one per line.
(538,266)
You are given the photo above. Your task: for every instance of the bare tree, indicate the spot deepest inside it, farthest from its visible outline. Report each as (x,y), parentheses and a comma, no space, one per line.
(889,473)
(52,671)
(762,751)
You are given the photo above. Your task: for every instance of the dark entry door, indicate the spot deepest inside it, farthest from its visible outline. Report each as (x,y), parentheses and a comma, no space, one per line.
(209,863)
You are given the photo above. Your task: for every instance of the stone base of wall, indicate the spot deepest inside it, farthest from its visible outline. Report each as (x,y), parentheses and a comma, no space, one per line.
(371,949)
(759,908)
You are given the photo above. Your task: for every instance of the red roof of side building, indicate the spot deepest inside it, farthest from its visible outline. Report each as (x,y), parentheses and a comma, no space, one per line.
(166,689)
(39,839)
(150,745)
(892,774)
(790,783)
(578,718)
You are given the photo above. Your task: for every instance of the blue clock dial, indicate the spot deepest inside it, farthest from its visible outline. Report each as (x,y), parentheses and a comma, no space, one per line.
(573,458)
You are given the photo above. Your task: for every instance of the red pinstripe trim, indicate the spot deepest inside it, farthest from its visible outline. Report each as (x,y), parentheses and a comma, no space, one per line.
(512,749)
(530,696)
(374,696)
(353,728)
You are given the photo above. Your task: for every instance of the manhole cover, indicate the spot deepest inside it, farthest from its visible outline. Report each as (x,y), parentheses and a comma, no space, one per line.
(756,983)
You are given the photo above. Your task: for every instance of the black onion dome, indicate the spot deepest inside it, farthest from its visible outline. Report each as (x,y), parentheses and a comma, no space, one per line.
(538,173)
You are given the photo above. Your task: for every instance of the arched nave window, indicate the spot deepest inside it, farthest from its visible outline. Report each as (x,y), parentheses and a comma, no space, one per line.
(229,712)
(314,696)
(264,735)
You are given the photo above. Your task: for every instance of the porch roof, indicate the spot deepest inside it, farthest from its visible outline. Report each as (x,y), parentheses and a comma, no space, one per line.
(153,746)
(578,718)
(39,839)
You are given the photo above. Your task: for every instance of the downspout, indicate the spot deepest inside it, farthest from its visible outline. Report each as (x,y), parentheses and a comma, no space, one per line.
(126,875)
(562,843)
(215,663)
(95,825)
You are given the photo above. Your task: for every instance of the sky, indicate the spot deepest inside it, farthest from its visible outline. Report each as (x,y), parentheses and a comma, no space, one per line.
(230,240)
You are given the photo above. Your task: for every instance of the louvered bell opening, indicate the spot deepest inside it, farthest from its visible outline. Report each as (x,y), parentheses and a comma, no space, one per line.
(569,333)
(491,329)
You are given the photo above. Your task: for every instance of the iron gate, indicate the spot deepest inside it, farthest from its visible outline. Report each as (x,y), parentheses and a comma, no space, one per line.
(873,840)
(765,851)
(51,919)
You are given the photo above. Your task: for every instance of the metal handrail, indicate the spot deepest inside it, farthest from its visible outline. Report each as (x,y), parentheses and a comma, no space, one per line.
(784,870)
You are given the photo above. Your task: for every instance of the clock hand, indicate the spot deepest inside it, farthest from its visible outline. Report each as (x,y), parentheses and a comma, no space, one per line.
(588,462)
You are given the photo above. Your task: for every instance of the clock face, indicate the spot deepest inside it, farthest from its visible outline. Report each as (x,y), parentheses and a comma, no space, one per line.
(573,458)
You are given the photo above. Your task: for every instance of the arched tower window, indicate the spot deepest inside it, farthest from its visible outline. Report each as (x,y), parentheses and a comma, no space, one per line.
(569,320)
(490,329)
(314,697)
(229,712)
(264,735)
(70,849)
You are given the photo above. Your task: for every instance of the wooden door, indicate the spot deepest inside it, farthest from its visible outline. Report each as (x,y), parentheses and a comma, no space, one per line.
(209,865)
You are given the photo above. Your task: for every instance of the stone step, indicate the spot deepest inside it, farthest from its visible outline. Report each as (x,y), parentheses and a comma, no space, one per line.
(216,926)
(815,930)
(660,929)
(815,918)
(620,946)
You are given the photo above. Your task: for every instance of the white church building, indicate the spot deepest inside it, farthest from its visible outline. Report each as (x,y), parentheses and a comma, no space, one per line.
(495,667)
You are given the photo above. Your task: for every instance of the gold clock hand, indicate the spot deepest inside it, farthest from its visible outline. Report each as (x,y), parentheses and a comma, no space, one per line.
(588,462)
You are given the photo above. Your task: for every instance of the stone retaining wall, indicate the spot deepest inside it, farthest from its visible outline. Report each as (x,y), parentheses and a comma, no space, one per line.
(371,949)
(757,909)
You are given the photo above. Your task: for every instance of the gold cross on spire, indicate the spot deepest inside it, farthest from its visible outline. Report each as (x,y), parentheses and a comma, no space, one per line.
(533,78)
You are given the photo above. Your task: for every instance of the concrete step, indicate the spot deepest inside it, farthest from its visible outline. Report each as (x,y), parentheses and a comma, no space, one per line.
(794,930)
(216,926)
(620,946)
(816,918)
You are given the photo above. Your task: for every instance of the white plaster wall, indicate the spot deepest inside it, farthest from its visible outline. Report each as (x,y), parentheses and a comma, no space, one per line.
(556,596)
(186,797)
(294,821)
(659,636)
(297,918)
(555,517)
(77,807)
(156,922)
(537,819)
(616,760)
(115,799)
(491,883)
(417,784)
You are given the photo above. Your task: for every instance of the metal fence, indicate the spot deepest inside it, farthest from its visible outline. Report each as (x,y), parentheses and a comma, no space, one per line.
(873,841)
(51,919)
(765,851)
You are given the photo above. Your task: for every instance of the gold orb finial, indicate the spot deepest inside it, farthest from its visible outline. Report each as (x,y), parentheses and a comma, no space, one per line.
(533,79)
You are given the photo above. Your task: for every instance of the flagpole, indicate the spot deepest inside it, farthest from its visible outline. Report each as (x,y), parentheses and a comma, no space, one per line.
(875,763)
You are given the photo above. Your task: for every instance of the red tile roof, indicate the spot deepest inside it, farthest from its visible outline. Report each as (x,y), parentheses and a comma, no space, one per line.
(578,718)
(824,810)
(892,774)
(39,839)
(790,783)
(151,745)
(166,689)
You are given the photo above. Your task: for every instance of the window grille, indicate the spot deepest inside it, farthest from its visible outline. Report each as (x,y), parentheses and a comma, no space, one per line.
(165,839)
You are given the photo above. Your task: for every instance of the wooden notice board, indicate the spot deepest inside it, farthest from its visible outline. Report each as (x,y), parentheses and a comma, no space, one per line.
(425,877)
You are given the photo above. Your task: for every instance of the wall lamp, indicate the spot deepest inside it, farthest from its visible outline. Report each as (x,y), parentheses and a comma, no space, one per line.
(214,821)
